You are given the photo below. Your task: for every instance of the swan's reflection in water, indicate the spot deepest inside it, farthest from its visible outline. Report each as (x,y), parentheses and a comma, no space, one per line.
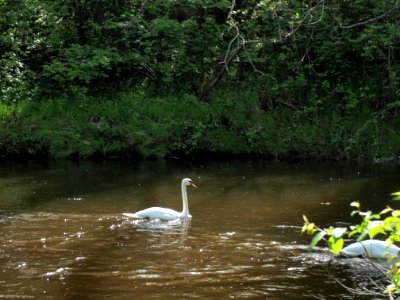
(178,227)
(174,226)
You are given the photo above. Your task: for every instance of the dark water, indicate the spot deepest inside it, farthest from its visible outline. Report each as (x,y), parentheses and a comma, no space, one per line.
(63,235)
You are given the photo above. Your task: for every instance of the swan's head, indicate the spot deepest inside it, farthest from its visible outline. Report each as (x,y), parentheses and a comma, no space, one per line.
(188,182)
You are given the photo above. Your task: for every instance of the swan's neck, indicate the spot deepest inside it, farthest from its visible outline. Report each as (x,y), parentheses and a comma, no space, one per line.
(185,211)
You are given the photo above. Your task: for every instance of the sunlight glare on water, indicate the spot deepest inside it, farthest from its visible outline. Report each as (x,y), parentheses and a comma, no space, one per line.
(63,235)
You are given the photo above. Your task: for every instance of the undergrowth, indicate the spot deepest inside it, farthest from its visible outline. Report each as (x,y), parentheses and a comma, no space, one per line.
(138,125)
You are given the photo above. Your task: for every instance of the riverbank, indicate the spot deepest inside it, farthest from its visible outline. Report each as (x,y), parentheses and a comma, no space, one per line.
(136,125)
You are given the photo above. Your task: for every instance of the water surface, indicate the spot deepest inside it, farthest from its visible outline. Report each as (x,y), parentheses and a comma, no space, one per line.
(63,235)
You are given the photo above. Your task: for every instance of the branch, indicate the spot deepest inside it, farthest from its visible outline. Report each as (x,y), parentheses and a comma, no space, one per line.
(237,36)
(233,3)
(307,14)
(230,54)
(395,7)
(296,109)
(356,291)
(207,86)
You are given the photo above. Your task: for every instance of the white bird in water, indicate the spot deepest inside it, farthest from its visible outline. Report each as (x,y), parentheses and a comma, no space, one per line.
(166,214)
(371,248)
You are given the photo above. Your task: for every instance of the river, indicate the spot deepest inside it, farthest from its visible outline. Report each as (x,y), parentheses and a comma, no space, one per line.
(63,235)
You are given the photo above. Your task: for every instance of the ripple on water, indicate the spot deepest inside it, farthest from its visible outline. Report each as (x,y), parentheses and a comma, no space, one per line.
(64,236)
(90,252)
(161,255)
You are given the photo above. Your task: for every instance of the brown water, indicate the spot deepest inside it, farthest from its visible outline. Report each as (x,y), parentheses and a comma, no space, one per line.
(63,235)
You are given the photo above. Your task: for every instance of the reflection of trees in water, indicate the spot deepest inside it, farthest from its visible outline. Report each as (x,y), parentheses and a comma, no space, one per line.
(32,184)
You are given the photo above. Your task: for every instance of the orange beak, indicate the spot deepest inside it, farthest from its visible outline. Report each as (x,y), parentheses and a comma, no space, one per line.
(193,185)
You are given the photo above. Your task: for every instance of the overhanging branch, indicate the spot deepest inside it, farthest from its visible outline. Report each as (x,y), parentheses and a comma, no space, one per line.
(391,11)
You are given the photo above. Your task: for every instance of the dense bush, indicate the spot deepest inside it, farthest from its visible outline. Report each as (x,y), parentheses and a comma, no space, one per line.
(271,78)
(139,125)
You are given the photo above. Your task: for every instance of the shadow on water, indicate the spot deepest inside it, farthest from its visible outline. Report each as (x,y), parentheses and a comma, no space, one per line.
(28,186)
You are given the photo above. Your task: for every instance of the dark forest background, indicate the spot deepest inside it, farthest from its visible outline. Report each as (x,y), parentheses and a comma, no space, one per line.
(270,78)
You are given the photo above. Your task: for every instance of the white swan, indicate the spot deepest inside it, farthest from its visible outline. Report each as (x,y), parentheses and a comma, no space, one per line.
(166,214)
(371,248)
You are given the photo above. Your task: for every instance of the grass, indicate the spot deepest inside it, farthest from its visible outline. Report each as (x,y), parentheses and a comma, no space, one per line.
(137,125)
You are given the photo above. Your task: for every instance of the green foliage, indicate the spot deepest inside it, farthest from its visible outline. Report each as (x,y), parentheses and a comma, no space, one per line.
(14,84)
(15,36)
(139,124)
(78,67)
(305,57)
(270,78)
(133,125)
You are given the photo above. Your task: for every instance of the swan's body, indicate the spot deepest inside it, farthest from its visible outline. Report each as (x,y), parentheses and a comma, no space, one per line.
(160,213)
(166,214)
(371,248)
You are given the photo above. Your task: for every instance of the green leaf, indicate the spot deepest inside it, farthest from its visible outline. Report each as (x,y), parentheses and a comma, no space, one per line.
(396,196)
(386,210)
(373,231)
(335,245)
(316,239)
